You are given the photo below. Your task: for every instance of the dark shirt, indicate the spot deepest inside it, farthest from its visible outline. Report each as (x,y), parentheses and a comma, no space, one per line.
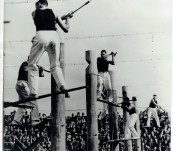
(152,105)
(44,19)
(23,72)
(132,111)
(125,105)
(102,64)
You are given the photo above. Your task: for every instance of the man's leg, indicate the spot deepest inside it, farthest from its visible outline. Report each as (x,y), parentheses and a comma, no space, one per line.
(53,51)
(23,94)
(127,134)
(156,117)
(18,115)
(100,92)
(132,120)
(36,52)
(34,111)
(108,86)
(103,113)
(149,117)
(99,85)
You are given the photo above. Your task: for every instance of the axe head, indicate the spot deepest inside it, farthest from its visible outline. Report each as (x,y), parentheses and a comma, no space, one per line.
(87,2)
(133,98)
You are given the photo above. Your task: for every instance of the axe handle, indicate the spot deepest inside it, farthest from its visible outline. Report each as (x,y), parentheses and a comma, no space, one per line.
(80,7)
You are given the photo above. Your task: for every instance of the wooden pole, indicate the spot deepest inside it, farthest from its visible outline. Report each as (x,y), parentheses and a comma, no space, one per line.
(113,115)
(91,96)
(58,139)
(138,127)
(128,144)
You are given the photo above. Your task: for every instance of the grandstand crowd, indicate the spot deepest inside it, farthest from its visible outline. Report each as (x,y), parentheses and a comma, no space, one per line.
(152,138)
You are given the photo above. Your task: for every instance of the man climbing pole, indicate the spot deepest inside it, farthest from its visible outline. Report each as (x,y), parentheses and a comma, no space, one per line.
(152,110)
(46,39)
(103,77)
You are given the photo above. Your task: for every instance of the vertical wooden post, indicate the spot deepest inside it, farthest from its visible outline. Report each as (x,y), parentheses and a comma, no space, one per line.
(58,139)
(128,144)
(137,127)
(113,115)
(91,96)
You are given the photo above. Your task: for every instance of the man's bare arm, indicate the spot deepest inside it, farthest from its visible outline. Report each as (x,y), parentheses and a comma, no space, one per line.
(65,27)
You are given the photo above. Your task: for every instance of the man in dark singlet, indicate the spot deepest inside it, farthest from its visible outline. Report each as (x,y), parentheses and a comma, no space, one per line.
(46,39)
(103,78)
(129,129)
(152,110)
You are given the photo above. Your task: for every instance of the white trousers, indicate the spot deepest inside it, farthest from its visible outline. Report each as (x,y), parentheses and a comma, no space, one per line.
(44,41)
(130,129)
(103,79)
(152,111)
(23,92)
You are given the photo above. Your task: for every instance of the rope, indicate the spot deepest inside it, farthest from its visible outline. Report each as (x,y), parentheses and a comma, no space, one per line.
(114,35)
(8,104)
(98,36)
(120,61)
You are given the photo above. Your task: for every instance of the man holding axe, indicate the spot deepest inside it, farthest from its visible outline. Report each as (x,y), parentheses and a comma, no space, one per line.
(46,39)
(103,77)
(153,111)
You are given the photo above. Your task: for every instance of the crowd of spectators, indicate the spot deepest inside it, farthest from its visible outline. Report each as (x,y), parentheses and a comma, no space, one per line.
(152,139)
(22,136)
(155,138)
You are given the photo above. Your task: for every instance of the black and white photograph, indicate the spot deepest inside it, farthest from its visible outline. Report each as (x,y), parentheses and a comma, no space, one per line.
(86,75)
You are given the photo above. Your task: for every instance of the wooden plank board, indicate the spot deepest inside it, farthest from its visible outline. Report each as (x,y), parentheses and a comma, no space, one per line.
(8,104)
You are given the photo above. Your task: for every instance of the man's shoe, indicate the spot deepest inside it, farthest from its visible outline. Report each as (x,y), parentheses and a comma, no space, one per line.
(34,123)
(67,95)
(33,96)
(103,96)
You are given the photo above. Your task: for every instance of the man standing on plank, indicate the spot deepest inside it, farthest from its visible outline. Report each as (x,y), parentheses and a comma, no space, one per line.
(103,78)
(152,110)
(46,39)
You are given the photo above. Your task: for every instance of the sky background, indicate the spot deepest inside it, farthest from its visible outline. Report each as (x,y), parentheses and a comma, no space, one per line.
(139,31)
